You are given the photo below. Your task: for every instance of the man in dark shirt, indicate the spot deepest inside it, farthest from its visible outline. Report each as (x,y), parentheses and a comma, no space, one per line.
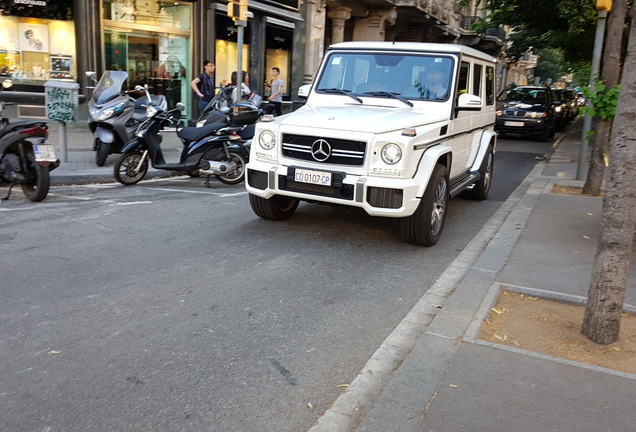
(203,85)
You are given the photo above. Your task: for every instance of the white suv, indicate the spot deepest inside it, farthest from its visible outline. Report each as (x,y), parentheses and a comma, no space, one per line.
(394,128)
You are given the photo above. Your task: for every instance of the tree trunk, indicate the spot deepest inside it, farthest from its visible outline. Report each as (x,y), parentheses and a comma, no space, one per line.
(611,265)
(610,75)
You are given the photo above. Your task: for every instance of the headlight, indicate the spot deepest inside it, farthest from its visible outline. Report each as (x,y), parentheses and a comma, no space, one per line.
(558,109)
(391,153)
(537,114)
(267,140)
(151,110)
(104,115)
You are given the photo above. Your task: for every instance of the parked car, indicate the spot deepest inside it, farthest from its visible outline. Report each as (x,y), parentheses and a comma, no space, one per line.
(573,100)
(527,110)
(562,108)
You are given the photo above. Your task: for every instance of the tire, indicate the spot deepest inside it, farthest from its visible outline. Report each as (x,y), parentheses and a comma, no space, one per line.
(38,188)
(425,226)
(482,187)
(125,168)
(276,208)
(237,175)
(101,153)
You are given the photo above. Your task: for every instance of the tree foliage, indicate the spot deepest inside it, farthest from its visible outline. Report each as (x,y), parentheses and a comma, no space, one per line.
(565,24)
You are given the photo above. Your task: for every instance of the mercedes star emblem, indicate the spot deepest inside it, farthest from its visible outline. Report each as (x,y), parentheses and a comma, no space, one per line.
(321,150)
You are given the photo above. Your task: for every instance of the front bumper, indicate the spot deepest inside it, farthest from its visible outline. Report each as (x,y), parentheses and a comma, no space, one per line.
(521,126)
(378,196)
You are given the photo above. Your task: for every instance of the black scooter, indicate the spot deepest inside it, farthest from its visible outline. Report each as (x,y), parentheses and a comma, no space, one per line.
(115,114)
(25,158)
(220,148)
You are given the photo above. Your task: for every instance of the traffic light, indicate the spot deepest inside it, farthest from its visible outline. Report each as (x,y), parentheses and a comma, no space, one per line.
(234,9)
(237,9)
(604,5)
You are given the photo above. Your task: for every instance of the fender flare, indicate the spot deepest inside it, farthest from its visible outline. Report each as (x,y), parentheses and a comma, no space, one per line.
(488,136)
(430,157)
(133,145)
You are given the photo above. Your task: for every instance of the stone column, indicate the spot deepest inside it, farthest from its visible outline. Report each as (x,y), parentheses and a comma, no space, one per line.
(338,18)
(315,38)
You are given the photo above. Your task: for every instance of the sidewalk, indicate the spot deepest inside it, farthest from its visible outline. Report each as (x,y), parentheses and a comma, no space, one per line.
(431,374)
(80,167)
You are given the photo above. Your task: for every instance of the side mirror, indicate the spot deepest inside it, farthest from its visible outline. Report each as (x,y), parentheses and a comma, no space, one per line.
(468,102)
(180,107)
(303,91)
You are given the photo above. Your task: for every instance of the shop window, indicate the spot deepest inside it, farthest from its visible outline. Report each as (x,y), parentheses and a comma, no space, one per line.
(33,50)
(278,53)
(226,47)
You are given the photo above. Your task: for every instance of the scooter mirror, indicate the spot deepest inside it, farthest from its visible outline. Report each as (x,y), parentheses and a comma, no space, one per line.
(180,107)
(7,83)
(224,110)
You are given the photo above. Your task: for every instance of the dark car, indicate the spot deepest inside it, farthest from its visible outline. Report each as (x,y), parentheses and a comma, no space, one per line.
(562,108)
(526,110)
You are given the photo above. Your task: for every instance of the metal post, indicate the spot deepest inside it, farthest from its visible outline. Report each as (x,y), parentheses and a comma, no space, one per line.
(63,141)
(596,62)
(240,24)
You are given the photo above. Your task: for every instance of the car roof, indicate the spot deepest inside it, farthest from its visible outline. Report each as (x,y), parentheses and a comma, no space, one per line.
(413,46)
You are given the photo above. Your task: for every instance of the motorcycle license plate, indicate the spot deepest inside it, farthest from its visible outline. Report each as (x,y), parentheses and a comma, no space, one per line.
(312,177)
(44,153)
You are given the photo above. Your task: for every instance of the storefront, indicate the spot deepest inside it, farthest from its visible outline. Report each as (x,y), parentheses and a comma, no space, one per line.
(34,42)
(150,39)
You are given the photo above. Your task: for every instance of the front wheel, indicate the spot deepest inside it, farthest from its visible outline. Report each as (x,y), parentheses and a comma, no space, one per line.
(102,152)
(36,189)
(128,170)
(424,227)
(237,174)
(276,208)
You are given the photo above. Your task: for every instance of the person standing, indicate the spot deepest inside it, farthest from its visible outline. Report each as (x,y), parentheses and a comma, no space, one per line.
(203,85)
(276,98)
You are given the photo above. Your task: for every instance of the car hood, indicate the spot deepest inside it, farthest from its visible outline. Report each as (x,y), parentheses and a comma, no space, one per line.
(522,106)
(369,119)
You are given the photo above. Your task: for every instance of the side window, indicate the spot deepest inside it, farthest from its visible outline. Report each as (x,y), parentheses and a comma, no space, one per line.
(462,83)
(477,68)
(490,85)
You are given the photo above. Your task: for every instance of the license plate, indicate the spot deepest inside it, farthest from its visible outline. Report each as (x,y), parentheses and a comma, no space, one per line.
(312,177)
(44,153)
(516,124)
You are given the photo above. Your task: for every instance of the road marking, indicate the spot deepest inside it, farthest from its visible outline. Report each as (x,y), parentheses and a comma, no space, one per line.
(132,203)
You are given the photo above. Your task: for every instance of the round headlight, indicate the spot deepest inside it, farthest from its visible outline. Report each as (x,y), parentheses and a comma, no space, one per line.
(391,153)
(267,140)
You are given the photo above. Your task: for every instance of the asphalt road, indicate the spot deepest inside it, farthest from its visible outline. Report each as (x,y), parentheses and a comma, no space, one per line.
(168,306)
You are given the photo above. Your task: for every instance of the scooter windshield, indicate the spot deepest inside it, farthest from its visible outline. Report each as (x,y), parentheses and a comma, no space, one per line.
(109,86)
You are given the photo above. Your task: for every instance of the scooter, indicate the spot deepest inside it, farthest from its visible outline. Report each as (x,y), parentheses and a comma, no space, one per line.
(25,158)
(215,149)
(115,115)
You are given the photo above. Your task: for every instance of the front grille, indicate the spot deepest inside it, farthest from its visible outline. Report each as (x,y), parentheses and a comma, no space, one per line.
(513,113)
(384,197)
(343,192)
(343,152)
(257,179)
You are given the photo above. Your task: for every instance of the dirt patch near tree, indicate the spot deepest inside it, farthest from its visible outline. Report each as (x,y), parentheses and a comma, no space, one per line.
(554,328)
(570,190)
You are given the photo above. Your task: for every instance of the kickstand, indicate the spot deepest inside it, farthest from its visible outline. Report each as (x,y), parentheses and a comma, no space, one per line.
(207,182)
(8,194)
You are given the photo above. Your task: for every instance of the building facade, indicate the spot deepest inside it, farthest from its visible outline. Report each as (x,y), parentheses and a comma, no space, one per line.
(164,42)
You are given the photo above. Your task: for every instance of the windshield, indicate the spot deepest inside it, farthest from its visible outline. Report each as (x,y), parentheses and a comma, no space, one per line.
(524,95)
(109,86)
(411,76)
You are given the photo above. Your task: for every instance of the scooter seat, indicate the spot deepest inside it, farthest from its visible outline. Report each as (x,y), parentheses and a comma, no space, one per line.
(196,133)
(20,125)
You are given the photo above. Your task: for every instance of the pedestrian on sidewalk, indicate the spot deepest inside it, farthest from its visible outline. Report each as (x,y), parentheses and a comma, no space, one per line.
(276,98)
(203,85)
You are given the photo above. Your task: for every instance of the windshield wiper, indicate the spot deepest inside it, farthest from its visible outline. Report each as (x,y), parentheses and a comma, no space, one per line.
(391,95)
(341,92)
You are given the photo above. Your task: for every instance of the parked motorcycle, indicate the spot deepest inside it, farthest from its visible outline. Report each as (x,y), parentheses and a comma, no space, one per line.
(25,158)
(219,148)
(115,114)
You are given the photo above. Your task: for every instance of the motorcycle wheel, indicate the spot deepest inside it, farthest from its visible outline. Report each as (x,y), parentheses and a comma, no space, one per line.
(38,188)
(237,175)
(102,152)
(126,168)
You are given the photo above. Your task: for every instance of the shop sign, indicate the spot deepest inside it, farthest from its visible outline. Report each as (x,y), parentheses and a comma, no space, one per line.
(51,9)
